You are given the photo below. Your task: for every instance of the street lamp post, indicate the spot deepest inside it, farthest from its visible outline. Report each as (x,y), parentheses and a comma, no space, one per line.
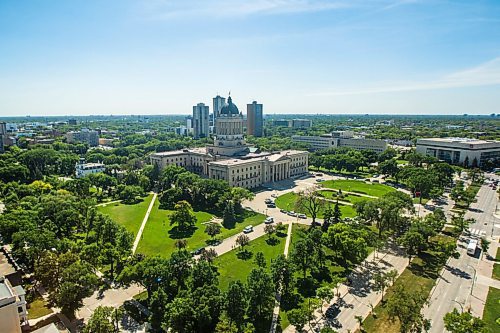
(473,279)
(461,306)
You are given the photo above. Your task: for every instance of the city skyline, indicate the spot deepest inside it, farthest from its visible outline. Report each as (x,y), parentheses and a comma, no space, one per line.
(296,57)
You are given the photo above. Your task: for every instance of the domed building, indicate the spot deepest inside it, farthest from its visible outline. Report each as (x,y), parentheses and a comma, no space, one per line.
(229,139)
(229,158)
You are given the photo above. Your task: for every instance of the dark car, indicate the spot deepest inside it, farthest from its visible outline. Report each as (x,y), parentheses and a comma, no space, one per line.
(198,251)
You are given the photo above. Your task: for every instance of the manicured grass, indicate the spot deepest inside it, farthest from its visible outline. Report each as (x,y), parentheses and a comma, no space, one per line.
(496,266)
(367,173)
(38,308)
(287,201)
(491,314)
(358,186)
(159,236)
(352,198)
(399,162)
(130,216)
(232,268)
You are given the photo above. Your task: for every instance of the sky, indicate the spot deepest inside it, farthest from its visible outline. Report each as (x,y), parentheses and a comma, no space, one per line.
(95,57)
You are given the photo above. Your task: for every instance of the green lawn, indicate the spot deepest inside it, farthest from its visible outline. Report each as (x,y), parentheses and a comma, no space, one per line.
(496,266)
(358,186)
(399,162)
(159,236)
(287,201)
(352,198)
(130,216)
(38,308)
(232,268)
(491,314)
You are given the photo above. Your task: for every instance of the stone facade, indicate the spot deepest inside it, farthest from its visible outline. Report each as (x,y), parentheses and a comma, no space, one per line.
(231,159)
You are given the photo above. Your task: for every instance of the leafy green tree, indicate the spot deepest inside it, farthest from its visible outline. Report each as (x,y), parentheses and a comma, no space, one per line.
(485,245)
(183,216)
(129,193)
(413,242)
(456,322)
(380,282)
(213,229)
(101,321)
(236,302)
(270,229)
(260,260)
(157,303)
(226,326)
(298,318)
(325,295)
(389,167)
(282,274)
(406,305)
(337,214)
(260,295)
(76,282)
(302,255)
(308,201)
(242,241)
(348,242)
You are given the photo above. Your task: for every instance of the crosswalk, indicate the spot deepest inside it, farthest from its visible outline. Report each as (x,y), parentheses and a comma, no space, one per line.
(477,232)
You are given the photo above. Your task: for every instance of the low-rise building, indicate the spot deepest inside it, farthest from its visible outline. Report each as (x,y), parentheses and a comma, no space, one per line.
(461,151)
(341,139)
(83,169)
(13,311)
(301,123)
(106,142)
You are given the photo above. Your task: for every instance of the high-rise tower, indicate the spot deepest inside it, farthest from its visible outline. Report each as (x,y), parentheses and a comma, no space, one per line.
(255,121)
(200,120)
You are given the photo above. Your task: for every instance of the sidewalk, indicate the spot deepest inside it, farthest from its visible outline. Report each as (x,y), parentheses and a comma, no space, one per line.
(356,299)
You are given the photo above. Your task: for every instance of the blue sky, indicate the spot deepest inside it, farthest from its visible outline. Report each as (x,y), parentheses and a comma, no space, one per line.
(82,57)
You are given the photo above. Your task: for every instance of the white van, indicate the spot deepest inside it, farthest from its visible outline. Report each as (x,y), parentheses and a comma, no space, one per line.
(471,247)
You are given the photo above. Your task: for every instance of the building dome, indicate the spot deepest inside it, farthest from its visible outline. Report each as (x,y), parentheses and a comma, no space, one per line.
(229,108)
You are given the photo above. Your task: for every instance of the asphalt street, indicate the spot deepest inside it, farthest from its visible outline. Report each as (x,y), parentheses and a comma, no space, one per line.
(464,281)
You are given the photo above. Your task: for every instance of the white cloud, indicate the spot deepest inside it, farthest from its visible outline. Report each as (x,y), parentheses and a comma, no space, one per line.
(486,74)
(163,9)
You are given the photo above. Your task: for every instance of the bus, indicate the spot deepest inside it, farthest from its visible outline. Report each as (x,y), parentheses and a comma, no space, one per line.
(471,248)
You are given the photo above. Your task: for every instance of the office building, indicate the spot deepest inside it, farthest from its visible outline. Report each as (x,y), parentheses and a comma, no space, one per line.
(72,121)
(255,120)
(230,158)
(200,121)
(218,103)
(301,123)
(340,139)
(84,136)
(3,134)
(461,151)
(282,123)
(13,311)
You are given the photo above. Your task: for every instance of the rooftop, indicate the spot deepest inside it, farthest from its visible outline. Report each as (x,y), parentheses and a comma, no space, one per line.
(469,141)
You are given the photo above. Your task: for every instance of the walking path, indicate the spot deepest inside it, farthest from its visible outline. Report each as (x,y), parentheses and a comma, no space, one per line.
(107,203)
(276,310)
(357,299)
(144,221)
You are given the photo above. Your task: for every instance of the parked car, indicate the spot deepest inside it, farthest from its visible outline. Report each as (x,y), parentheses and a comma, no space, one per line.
(268,201)
(302,216)
(271,205)
(198,251)
(274,195)
(283,211)
(292,213)
(248,229)
(269,220)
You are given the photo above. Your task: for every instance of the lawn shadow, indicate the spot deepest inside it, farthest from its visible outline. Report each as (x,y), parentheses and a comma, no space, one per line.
(272,241)
(176,233)
(244,254)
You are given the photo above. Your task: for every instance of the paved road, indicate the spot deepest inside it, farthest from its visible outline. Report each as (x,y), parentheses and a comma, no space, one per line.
(464,281)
